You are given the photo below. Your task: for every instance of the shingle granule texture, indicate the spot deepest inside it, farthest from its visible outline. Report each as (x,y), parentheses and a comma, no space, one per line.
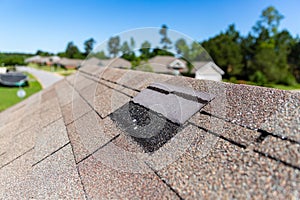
(85,138)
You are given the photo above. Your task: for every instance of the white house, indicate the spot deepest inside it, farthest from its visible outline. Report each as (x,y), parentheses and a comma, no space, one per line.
(208,71)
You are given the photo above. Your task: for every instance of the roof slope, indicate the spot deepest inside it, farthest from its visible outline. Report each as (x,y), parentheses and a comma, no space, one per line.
(65,142)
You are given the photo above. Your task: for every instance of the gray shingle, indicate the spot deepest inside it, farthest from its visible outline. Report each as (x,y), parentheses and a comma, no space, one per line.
(174,106)
(49,139)
(57,178)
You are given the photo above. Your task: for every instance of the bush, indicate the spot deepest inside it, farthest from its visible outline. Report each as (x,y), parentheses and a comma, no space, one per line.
(233,79)
(259,78)
(288,79)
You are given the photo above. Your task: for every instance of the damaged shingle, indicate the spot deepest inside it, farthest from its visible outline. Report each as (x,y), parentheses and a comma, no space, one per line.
(175,103)
(157,113)
(149,129)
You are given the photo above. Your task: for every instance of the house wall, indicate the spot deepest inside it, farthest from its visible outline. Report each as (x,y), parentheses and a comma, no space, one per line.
(213,77)
(70,67)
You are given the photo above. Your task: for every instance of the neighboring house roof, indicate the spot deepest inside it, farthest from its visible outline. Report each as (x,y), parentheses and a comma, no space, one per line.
(166,64)
(116,63)
(33,59)
(205,67)
(92,62)
(54,59)
(70,62)
(168,61)
(66,142)
(43,59)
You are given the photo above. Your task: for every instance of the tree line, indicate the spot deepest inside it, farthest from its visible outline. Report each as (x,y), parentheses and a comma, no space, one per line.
(265,55)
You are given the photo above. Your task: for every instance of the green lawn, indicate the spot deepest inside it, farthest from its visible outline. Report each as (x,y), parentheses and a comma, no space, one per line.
(277,86)
(57,70)
(285,87)
(8,95)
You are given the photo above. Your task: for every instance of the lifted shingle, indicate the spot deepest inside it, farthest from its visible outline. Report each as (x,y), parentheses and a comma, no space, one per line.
(177,104)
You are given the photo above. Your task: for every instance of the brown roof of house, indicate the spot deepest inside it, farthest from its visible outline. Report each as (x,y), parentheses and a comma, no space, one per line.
(91,62)
(42,59)
(116,63)
(70,141)
(33,59)
(161,64)
(69,62)
(164,60)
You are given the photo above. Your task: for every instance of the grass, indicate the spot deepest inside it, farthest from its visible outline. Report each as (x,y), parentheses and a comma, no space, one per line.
(277,86)
(57,70)
(9,94)
(286,87)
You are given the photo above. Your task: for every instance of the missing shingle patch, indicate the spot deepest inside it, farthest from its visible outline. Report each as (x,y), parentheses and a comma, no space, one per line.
(149,129)
(158,112)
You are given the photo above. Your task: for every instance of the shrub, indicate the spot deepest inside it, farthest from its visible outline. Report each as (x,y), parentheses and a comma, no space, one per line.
(259,78)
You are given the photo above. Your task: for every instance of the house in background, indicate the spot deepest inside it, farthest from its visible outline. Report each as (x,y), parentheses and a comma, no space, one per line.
(52,60)
(33,59)
(116,63)
(91,62)
(167,65)
(207,71)
(69,63)
(43,60)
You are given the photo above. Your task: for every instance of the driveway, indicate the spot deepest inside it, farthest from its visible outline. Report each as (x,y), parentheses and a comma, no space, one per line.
(45,78)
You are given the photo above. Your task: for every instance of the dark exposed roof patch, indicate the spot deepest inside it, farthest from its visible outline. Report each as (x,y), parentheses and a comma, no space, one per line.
(149,130)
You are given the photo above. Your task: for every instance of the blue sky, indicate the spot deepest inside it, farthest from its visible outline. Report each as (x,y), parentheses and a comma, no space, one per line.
(29,25)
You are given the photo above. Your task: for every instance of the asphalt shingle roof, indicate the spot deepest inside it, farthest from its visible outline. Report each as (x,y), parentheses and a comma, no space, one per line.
(68,141)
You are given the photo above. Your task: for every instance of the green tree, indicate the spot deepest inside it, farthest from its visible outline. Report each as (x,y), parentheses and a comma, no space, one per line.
(294,59)
(165,40)
(72,51)
(194,52)
(132,44)
(182,47)
(145,50)
(89,45)
(114,46)
(99,54)
(8,59)
(43,53)
(272,48)
(269,20)
(248,50)
(130,56)
(127,53)
(225,49)
(197,53)
(160,52)
(125,49)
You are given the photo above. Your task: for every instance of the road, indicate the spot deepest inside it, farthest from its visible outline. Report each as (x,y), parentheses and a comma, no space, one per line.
(46,79)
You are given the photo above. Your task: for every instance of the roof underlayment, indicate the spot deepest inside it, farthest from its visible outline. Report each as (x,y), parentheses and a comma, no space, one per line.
(76,140)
